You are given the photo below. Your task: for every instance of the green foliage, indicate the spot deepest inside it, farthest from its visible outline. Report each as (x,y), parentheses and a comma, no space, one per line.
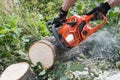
(60,71)
(10,42)
(118,65)
(21,27)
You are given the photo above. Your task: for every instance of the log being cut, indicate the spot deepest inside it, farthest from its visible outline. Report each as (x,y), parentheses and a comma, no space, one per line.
(47,50)
(18,71)
(43,52)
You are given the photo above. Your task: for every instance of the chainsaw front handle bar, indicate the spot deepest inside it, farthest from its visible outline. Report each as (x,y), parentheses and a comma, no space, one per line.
(49,25)
(55,33)
(52,28)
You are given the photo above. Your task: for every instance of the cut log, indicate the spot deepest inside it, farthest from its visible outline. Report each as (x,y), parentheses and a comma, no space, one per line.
(43,52)
(47,50)
(18,71)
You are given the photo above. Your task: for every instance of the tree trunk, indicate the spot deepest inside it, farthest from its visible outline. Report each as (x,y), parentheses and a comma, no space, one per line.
(19,71)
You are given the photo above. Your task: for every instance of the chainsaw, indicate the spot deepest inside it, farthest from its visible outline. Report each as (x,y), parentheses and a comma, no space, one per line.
(74,30)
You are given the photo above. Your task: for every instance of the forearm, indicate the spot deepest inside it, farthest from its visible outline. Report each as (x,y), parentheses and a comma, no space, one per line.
(67,4)
(113,3)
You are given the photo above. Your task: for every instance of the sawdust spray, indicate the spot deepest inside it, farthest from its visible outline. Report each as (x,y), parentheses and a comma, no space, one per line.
(102,44)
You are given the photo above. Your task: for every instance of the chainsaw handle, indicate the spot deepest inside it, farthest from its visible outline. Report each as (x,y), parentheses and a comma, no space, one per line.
(87,18)
(52,28)
(58,39)
(88,30)
(49,25)
(95,28)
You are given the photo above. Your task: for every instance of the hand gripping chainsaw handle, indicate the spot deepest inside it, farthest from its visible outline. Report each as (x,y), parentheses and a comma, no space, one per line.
(88,30)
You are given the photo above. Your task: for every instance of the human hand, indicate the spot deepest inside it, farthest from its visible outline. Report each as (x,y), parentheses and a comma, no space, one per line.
(61,16)
(58,20)
(102,8)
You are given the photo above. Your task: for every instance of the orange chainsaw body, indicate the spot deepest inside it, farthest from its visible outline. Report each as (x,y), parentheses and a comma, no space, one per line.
(76,29)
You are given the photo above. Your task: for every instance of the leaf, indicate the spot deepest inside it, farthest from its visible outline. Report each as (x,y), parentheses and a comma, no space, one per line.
(77,67)
(50,79)
(2,48)
(69,64)
(7,47)
(74,66)
(63,78)
(25,39)
(1,35)
(42,73)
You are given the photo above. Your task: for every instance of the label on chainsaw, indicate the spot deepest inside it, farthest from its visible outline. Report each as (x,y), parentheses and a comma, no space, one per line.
(69,38)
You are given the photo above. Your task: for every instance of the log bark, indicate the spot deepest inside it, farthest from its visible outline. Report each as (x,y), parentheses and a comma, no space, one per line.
(18,71)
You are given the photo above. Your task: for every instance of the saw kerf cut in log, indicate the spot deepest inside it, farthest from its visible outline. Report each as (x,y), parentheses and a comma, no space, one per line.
(18,71)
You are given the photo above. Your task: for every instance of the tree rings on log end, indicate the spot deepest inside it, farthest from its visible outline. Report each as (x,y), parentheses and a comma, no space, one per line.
(43,52)
(15,71)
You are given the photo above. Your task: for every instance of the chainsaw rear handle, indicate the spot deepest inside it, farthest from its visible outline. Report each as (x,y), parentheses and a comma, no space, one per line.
(88,30)
(88,18)
(95,28)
